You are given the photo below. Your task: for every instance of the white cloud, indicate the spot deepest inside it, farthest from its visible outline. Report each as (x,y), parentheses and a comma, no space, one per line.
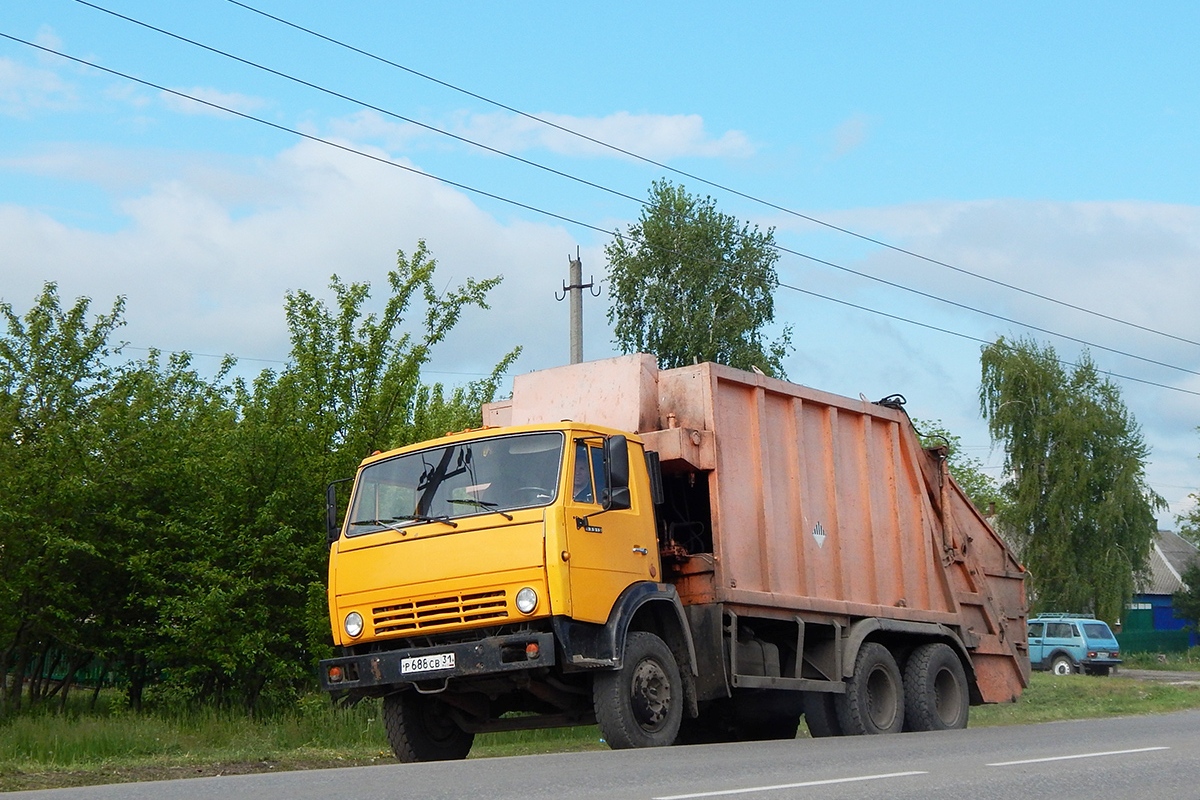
(230,100)
(850,135)
(206,255)
(24,90)
(657,136)
(1131,261)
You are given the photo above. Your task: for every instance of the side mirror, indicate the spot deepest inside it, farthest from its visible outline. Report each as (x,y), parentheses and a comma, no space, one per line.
(616,466)
(332,529)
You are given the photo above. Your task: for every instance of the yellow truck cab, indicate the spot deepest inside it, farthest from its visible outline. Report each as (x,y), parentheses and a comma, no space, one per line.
(469,566)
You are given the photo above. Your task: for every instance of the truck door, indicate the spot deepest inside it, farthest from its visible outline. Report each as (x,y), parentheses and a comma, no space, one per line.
(609,550)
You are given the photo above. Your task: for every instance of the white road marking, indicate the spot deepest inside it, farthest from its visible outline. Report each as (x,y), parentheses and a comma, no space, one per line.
(750,789)
(1081,755)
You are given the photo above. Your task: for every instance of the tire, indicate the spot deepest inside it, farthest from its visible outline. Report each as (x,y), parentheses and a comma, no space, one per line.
(419,728)
(936,696)
(820,714)
(1062,664)
(640,704)
(1102,671)
(874,698)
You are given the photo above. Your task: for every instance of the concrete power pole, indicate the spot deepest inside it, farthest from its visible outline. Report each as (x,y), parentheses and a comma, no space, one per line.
(575,290)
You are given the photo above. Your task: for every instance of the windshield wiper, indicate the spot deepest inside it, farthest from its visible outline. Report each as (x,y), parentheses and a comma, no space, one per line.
(484,504)
(390,521)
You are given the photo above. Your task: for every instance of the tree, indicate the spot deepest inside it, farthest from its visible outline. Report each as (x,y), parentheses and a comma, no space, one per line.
(689,284)
(1079,506)
(172,526)
(1187,602)
(967,470)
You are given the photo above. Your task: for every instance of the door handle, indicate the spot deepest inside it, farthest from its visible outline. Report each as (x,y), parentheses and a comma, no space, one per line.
(641,551)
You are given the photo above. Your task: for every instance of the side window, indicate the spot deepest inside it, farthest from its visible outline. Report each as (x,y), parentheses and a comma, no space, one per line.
(598,471)
(581,490)
(1058,630)
(1074,631)
(1035,629)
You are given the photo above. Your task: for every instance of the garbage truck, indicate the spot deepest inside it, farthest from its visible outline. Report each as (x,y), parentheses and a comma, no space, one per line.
(697,554)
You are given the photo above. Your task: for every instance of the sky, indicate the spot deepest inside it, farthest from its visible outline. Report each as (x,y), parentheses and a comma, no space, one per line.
(1054,148)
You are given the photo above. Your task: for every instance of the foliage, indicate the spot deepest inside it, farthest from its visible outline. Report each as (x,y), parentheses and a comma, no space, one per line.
(967,470)
(689,284)
(1187,601)
(1079,506)
(171,528)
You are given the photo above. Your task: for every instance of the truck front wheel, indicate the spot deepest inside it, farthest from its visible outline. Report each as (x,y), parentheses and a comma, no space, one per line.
(640,704)
(419,728)
(874,698)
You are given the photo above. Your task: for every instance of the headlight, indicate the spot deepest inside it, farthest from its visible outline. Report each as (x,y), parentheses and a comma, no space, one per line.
(526,600)
(353,624)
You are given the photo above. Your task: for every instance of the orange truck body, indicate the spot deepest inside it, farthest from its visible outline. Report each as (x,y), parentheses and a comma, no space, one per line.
(821,505)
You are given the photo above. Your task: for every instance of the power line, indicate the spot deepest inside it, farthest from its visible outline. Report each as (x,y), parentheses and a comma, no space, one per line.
(969,337)
(501,198)
(614,192)
(706,181)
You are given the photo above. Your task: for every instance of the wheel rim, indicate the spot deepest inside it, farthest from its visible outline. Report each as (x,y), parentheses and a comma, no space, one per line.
(650,695)
(1061,667)
(882,699)
(948,697)
(438,724)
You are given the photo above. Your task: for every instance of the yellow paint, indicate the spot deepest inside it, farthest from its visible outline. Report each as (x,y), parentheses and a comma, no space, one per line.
(488,553)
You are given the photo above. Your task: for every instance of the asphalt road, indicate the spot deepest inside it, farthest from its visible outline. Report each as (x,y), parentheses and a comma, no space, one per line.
(1131,757)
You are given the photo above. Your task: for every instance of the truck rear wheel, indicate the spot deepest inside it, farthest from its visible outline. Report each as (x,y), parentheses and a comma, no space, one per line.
(935,690)
(419,728)
(640,704)
(874,698)
(820,714)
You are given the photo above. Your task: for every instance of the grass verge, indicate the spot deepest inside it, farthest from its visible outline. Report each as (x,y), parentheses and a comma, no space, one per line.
(1188,661)
(49,751)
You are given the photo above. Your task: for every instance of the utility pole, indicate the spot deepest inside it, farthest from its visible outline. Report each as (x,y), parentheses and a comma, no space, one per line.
(575,290)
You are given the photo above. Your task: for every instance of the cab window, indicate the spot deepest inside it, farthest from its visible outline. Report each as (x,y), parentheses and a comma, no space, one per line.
(588,483)
(582,490)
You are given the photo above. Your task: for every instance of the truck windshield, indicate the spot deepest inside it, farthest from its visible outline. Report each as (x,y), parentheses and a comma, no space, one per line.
(485,476)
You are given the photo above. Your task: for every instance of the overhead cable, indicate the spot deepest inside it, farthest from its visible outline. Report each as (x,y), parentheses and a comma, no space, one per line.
(615,192)
(482,192)
(692,176)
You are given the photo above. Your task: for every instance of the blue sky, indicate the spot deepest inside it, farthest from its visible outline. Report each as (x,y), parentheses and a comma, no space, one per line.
(1050,146)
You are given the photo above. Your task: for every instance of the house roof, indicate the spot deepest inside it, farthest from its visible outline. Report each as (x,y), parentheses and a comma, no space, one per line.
(1169,558)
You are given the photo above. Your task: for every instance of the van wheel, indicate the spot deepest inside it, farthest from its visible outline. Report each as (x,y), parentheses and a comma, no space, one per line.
(820,714)
(874,698)
(419,728)
(1061,664)
(640,704)
(935,690)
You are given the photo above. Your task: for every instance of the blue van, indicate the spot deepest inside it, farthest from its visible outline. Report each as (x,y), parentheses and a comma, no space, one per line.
(1067,643)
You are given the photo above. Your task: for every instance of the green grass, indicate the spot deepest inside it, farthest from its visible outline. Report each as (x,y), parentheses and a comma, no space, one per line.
(1188,661)
(41,750)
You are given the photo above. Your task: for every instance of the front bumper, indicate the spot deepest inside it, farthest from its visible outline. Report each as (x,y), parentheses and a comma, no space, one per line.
(488,656)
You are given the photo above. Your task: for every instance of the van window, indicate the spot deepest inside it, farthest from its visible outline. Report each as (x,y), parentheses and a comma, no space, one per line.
(1060,630)
(1096,630)
(1035,629)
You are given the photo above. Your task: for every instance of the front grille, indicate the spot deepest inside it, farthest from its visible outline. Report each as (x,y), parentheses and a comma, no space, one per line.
(429,613)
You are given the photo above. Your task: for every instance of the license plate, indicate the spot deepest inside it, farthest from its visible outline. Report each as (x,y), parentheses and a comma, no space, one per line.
(426,663)
(1101,655)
